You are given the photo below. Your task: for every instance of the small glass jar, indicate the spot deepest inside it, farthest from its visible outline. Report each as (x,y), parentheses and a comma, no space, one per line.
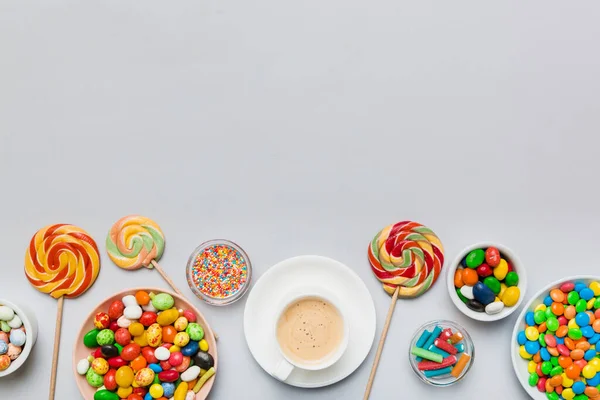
(445,379)
(219,272)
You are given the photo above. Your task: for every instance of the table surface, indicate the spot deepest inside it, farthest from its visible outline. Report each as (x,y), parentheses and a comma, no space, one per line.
(300,128)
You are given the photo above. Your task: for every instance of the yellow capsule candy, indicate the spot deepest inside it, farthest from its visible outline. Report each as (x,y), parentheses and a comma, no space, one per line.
(181,339)
(524,354)
(180,324)
(156,391)
(502,290)
(595,286)
(124,376)
(511,296)
(590,303)
(595,362)
(540,307)
(589,371)
(167,317)
(532,333)
(567,382)
(136,329)
(204,345)
(181,391)
(572,324)
(154,335)
(568,394)
(174,349)
(123,393)
(501,270)
(142,340)
(531,366)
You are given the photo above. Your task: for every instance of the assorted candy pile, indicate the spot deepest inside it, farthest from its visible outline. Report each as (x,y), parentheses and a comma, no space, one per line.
(560,338)
(440,353)
(146,349)
(486,281)
(12,336)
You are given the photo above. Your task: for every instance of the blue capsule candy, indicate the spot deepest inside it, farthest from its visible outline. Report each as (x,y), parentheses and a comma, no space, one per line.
(586,294)
(521,338)
(548,301)
(589,355)
(582,319)
(529,320)
(190,349)
(532,347)
(545,354)
(578,387)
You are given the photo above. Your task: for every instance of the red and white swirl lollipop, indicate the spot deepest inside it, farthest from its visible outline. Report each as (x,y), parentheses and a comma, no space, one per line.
(407,258)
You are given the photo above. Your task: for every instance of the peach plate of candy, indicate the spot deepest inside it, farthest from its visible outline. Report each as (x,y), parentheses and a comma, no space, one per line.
(145,344)
(441,353)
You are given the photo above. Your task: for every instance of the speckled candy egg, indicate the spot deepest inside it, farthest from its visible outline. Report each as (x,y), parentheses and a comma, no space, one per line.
(4,337)
(94,379)
(4,362)
(17,337)
(144,377)
(163,301)
(180,324)
(195,331)
(101,320)
(106,336)
(13,351)
(154,335)
(3,347)
(100,366)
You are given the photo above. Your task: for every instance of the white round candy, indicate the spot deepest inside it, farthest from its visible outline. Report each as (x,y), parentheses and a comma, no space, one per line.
(15,322)
(123,322)
(6,313)
(83,366)
(494,307)
(132,312)
(17,337)
(129,300)
(190,374)
(467,291)
(162,353)
(149,307)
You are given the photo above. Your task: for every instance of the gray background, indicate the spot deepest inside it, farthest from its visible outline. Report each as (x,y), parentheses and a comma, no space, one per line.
(300,128)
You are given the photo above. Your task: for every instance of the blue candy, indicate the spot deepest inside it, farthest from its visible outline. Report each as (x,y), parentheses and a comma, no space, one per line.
(3,347)
(589,355)
(168,389)
(155,367)
(548,301)
(436,332)
(579,287)
(437,372)
(192,348)
(578,387)
(586,294)
(422,339)
(582,319)
(529,318)
(587,331)
(441,352)
(595,381)
(545,355)
(460,347)
(147,396)
(521,338)
(560,340)
(532,347)
(18,337)
(464,262)
(483,294)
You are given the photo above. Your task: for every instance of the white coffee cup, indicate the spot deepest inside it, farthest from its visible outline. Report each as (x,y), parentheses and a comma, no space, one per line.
(284,367)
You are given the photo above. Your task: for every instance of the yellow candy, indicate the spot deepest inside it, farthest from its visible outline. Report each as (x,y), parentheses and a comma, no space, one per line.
(589,371)
(181,339)
(181,391)
(568,394)
(524,354)
(144,377)
(595,286)
(531,366)
(567,382)
(540,307)
(595,362)
(511,296)
(180,324)
(204,345)
(532,333)
(572,324)
(141,340)
(590,303)
(502,290)
(100,366)
(136,329)
(501,270)
(124,376)
(174,349)
(167,317)
(154,335)
(123,392)
(156,391)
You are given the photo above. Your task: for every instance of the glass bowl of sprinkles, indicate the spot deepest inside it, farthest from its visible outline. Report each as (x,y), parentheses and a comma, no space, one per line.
(441,353)
(219,272)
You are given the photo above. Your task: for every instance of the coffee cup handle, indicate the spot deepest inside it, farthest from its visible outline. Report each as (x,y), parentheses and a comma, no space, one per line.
(282,370)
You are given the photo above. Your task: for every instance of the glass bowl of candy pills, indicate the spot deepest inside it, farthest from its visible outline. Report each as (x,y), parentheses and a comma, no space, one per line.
(219,272)
(554,341)
(18,334)
(441,353)
(487,281)
(145,343)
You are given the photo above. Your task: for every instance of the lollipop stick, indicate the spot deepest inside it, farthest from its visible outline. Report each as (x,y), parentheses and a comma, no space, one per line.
(172,284)
(381,342)
(56,347)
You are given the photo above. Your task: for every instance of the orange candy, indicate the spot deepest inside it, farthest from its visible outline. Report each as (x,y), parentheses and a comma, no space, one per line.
(570,312)
(569,343)
(142,298)
(553,351)
(557,295)
(565,362)
(591,391)
(549,387)
(596,324)
(469,277)
(562,331)
(556,381)
(558,309)
(597,313)
(168,334)
(573,372)
(584,345)
(542,328)
(558,389)
(139,363)
(537,358)
(458,282)
(577,354)
(134,396)
(192,384)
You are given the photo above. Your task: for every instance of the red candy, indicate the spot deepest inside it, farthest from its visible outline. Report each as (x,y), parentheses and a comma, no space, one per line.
(102,320)
(567,287)
(122,336)
(432,365)
(447,347)
(114,326)
(97,353)
(148,353)
(492,256)
(541,385)
(563,350)
(130,352)
(117,362)
(165,365)
(190,316)
(168,375)
(109,380)
(115,310)
(148,318)
(176,359)
(484,270)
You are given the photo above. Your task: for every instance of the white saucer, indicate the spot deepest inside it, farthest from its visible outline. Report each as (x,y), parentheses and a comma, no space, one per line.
(261,309)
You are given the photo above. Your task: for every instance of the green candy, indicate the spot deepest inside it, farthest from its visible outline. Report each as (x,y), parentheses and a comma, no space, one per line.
(597,303)
(581,397)
(511,279)
(547,367)
(539,317)
(573,298)
(542,341)
(105,336)
(581,306)
(94,379)
(549,313)
(552,396)
(119,347)
(89,340)
(492,283)
(460,295)
(554,361)
(557,370)
(156,380)
(162,301)
(552,324)
(575,333)
(195,331)
(105,395)
(533,379)
(4,327)
(475,258)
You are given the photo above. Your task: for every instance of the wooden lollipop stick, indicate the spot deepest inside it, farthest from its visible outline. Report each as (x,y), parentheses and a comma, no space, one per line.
(56,347)
(381,342)
(172,284)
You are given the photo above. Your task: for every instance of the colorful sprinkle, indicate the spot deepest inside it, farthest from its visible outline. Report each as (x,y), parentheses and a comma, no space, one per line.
(219,271)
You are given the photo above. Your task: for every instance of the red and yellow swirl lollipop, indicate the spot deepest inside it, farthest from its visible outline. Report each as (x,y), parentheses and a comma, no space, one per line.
(407,258)
(63,261)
